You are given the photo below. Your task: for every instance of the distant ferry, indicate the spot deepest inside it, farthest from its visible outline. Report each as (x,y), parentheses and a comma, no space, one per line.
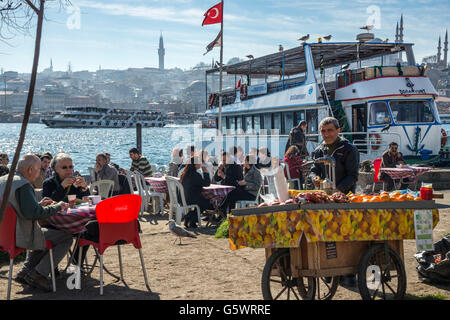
(92,117)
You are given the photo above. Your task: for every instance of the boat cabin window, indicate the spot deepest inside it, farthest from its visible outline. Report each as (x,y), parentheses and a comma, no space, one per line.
(224,124)
(248,124)
(411,111)
(288,122)
(277,121)
(256,123)
(379,113)
(267,122)
(238,124)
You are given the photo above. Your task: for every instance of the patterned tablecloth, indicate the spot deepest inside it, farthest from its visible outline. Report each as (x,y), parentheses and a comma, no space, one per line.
(407,172)
(214,192)
(74,220)
(284,229)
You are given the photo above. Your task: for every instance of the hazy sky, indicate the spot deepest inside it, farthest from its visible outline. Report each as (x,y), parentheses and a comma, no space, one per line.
(120,34)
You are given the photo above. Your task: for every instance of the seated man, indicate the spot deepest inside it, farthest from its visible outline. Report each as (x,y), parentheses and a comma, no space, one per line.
(140,163)
(104,172)
(390,159)
(29,234)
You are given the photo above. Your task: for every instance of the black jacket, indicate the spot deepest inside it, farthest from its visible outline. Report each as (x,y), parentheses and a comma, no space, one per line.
(193,184)
(347,165)
(297,137)
(53,189)
(233,174)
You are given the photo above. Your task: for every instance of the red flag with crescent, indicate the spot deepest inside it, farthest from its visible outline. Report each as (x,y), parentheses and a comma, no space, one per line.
(214,14)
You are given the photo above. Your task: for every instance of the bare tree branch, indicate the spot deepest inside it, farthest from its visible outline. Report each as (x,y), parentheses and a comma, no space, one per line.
(32,6)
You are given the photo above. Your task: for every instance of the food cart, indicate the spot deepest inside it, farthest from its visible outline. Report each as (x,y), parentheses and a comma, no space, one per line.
(309,246)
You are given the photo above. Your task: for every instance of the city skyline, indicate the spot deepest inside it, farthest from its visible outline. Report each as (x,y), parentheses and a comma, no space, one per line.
(118,35)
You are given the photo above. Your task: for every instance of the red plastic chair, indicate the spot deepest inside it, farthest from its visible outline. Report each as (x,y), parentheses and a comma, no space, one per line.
(376,166)
(117,223)
(8,244)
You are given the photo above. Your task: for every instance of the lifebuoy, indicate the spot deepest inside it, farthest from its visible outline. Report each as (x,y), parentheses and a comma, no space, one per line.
(376,144)
(443,138)
(243,90)
(212,96)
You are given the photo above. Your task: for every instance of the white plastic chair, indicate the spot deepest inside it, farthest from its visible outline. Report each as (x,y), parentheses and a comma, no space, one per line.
(104,188)
(129,176)
(147,194)
(289,179)
(182,209)
(269,188)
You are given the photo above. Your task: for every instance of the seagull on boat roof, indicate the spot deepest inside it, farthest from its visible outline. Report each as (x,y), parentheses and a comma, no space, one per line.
(328,38)
(368,28)
(250,56)
(178,231)
(280,48)
(218,64)
(386,41)
(304,38)
(345,66)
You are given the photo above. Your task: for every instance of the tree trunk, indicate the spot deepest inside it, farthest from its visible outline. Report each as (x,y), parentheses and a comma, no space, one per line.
(26,116)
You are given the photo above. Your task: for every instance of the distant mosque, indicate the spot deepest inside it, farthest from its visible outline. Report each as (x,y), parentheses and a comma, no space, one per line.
(443,62)
(161,52)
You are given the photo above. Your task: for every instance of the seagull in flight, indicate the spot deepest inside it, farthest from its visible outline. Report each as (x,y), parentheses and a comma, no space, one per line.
(304,38)
(368,27)
(328,38)
(250,56)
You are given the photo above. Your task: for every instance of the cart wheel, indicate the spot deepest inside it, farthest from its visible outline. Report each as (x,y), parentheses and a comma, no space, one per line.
(381,274)
(277,281)
(322,288)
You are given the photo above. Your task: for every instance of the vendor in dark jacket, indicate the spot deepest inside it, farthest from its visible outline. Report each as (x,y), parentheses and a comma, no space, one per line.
(63,182)
(193,182)
(345,154)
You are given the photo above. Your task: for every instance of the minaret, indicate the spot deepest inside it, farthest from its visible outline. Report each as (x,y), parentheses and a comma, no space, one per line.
(445,48)
(400,38)
(401,29)
(51,65)
(161,52)
(396,34)
(438,59)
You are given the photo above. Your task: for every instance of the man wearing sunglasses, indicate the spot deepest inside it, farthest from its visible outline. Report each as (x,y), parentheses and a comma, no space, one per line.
(390,159)
(64,182)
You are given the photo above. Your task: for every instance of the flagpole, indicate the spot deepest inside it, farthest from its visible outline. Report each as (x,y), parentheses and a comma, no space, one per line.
(220,72)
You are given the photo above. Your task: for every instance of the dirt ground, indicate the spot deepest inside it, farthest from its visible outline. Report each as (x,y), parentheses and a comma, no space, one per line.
(200,269)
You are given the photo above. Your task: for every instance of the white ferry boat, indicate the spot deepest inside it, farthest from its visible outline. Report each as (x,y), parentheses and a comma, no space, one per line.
(92,117)
(375,103)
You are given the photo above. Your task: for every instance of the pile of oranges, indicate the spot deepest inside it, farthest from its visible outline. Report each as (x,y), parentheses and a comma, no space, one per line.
(382,197)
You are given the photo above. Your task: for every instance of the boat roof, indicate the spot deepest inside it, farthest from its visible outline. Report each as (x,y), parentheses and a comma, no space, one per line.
(334,54)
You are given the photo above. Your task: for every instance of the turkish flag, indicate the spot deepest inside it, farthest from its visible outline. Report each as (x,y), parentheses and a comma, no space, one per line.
(214,14)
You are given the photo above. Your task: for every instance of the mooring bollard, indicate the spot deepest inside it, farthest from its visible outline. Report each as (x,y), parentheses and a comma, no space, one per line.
(139,136)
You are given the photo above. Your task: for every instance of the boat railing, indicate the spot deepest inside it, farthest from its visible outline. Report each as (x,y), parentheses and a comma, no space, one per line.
(350,76)
(372,142)
(229,96)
